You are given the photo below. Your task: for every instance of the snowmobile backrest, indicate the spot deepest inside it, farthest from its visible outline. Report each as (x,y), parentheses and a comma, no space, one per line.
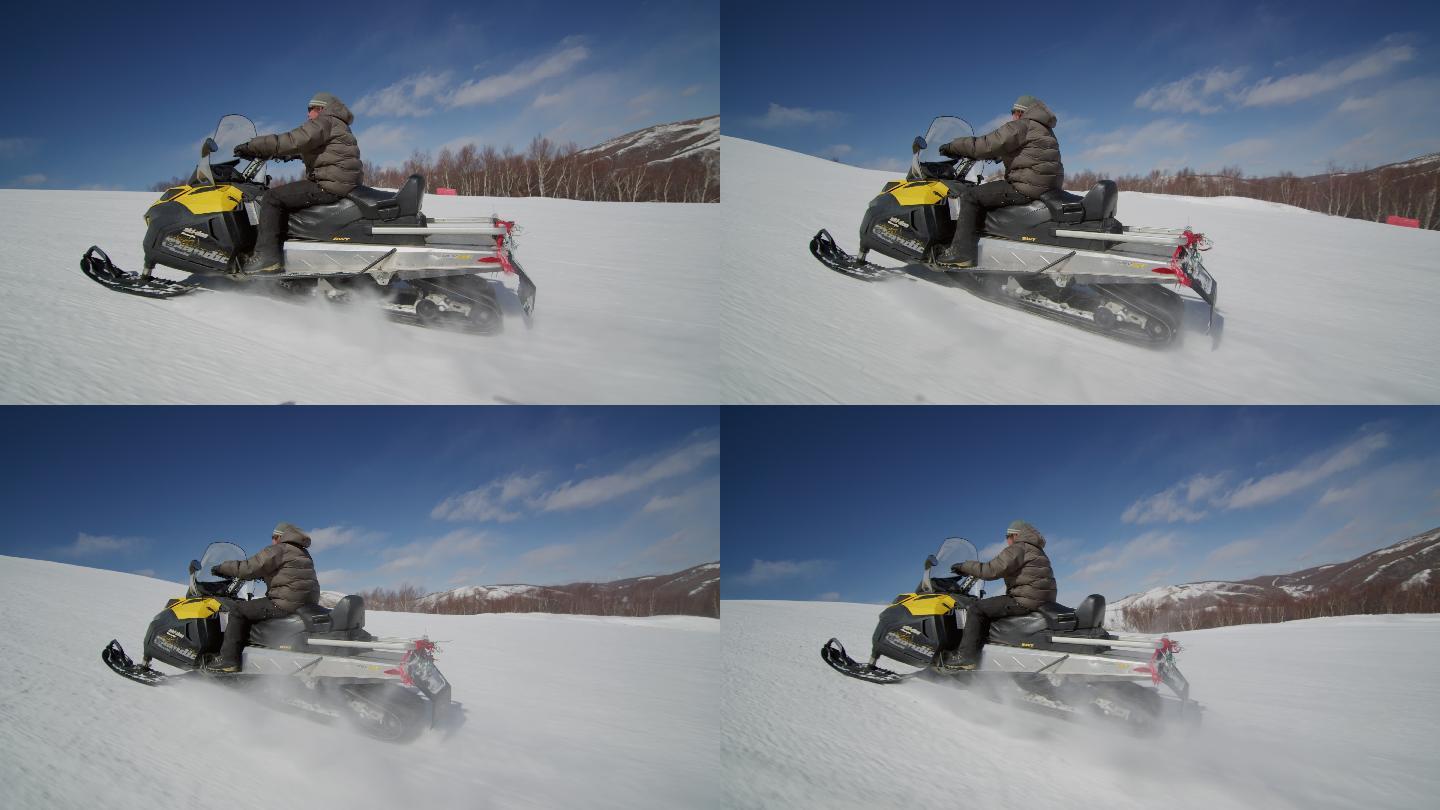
(1058,617)
(382,205)
(1100,203)
(1091,612)
(348,613)
(1064,206)
(316,618)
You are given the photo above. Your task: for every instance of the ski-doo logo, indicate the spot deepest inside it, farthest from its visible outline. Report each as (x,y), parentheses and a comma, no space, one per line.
(889,233)
(195,233)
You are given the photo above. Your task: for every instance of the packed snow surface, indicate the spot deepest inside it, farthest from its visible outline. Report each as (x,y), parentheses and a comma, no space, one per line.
(1316,309)
(625,313)
(560,711)
(1319,713)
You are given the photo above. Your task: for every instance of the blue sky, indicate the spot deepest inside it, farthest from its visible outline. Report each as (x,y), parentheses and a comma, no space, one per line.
(434,497)
(1135,86)
(100,95)
(844,503)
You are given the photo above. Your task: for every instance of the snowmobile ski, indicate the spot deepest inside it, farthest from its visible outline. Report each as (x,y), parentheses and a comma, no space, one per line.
(834,654)
(823,247)
(114,657)
(97,265)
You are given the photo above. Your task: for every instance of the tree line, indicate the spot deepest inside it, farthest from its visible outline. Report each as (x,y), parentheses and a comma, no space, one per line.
(546,169)
(1282,607)
(1369,195)
(586,600)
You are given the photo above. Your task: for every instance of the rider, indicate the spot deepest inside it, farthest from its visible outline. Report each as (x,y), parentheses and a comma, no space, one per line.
(332,170)
(1029,583)
(290,582)
(1026,144)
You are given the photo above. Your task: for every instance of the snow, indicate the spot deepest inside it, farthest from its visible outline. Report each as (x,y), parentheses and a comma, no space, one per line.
(561,711)
(1420,580)
(1311,714)
(626,312)
(1317,309)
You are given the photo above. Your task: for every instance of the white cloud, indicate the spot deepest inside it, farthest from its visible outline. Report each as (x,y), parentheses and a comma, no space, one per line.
(333,536)
(494,88)
(1178,503)
(490,502)
(763,571)
(15,147)
(638,475)
(145,572)
(549,555)
(382,136)
(1334,495)
(691,90)
(829,596)
(1299,86)
(412,96)
(423,553)
(86,544)
(1126,142)
(778,116)
(1191,93)
(1116,555)
(550,99)
(1308,472)
(1233,551)
(32,179)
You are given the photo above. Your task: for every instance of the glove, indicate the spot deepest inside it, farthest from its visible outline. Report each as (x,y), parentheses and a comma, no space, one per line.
(955,569)
(948,151)
(244,151)
(215,571)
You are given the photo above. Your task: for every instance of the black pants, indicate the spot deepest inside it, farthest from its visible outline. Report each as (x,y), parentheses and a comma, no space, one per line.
(275,208)
(974,202)
(242,613)
(977,621)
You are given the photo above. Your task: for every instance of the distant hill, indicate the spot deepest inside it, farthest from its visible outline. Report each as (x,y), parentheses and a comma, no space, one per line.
(692,592)
(696,138)
(1400,578)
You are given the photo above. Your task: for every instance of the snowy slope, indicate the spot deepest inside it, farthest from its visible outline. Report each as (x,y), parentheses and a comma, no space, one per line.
(561,711)
(626,313)
(1317,309)
(1314,714)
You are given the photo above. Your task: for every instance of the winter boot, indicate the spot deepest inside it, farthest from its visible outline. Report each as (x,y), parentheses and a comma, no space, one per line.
(222,666)
(955,659)
(955,256)
(263,262)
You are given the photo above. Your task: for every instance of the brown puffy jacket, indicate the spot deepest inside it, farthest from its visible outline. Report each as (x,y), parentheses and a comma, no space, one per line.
(1027,147)
(287,569)
(330,151)
(1025,568)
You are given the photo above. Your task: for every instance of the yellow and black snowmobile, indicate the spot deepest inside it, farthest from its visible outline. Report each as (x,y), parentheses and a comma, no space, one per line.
(1063,256)
(370,244)
(1057,658)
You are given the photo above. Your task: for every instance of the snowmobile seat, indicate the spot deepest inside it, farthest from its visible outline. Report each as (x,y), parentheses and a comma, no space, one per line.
(1100,202)
(385,205)
(1013,219)
(1058,617)
(1091,613)
(315,618)
(1064,206)
(348,614)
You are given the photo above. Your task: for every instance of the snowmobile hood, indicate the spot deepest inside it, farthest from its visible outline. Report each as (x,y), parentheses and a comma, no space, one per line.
(1039,113)
(336,107)
(1026,533)
(290,533)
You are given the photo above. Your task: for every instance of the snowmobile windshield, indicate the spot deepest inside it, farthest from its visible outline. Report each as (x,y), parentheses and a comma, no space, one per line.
(954,550)
(232,131)
(214,555)
(943,130)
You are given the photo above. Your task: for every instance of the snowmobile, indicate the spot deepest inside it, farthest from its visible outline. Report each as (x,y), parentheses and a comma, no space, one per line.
(370,244)
(1058,659)
(319,661)
(1063,256)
